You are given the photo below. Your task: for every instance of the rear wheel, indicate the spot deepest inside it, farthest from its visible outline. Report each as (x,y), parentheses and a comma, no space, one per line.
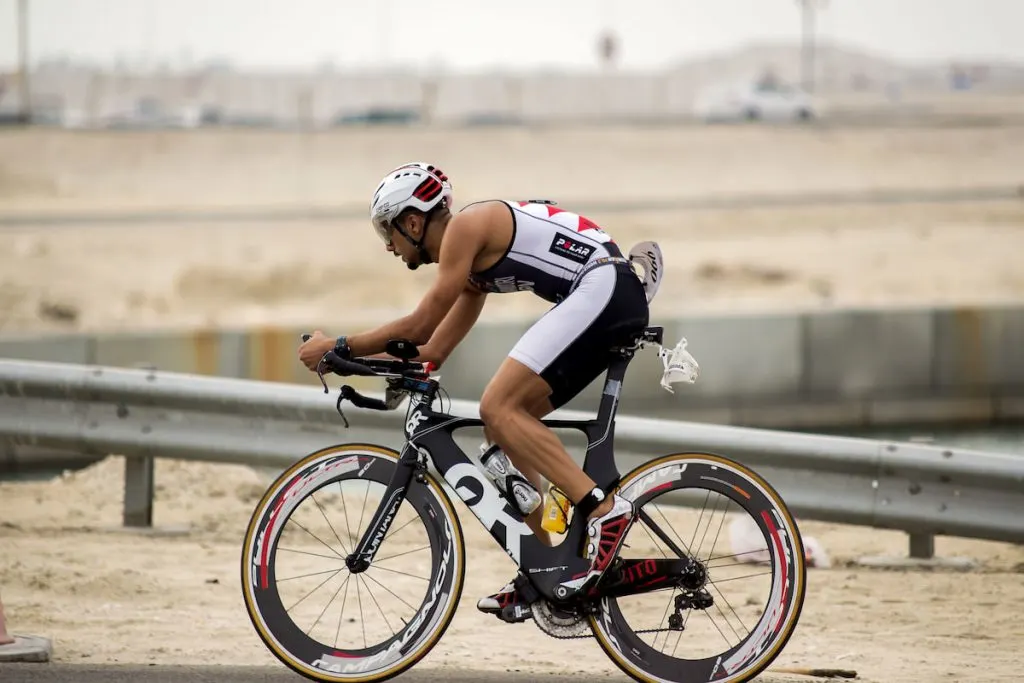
(314,614)
(732,627)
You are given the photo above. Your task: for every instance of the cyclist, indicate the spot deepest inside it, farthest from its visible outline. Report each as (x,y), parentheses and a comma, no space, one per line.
(501,246)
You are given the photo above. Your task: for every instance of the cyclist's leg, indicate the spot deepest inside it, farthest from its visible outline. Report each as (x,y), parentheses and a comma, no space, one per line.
(505,408)
(556,359)
(533,520)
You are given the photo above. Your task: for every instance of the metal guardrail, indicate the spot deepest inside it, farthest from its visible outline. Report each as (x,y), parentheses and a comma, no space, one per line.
(144,414)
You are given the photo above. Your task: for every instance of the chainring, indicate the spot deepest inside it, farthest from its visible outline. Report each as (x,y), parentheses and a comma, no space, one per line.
(558,623)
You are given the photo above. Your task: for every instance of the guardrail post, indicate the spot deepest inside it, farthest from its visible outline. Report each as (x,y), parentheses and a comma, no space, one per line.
(138,492)
(922,546)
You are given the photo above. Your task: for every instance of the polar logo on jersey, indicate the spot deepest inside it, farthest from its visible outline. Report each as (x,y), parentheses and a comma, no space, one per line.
(569,248)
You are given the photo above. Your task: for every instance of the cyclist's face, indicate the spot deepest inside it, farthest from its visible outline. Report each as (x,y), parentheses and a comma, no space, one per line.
(400,246)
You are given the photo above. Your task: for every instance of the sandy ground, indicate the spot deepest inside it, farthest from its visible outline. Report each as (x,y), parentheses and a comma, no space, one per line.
(222,274)
(161,277)
(107,595)
(47,170)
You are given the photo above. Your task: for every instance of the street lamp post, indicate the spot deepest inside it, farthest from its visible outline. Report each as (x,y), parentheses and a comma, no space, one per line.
(23,66)
(809,9)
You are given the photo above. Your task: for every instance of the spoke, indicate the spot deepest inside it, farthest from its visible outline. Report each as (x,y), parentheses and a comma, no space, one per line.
(647,529)
(395,571)
(664,617)
(715,624)
(303,576)
(289,609)
(708,527)
(291,520)
(377,605)
(321,615)
(699,520)
(362,620)
(341,615)
(306,552)
(344,509)
(726,557)
(390,591)
(329,525)
(737,578)
(726,617)
(656,528)
(363,511)
(688,547)
(393,532)
(718,534)
(679,637)
(407,552)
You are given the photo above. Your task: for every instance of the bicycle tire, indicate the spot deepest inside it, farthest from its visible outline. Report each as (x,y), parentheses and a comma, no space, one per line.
(785,602)
(419,634)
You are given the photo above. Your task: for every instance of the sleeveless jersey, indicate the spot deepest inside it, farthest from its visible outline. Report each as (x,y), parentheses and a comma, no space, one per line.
(549,248)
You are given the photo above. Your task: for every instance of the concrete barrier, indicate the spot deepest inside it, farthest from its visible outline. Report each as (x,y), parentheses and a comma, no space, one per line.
(842,368)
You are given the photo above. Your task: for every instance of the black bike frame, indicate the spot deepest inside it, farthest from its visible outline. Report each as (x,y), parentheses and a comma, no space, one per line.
(430,438)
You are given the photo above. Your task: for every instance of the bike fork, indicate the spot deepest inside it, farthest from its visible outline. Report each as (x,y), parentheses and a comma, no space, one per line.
(409,465)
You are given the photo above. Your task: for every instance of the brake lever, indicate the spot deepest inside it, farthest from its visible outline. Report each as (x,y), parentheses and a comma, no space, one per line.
(337,406)
(320,374)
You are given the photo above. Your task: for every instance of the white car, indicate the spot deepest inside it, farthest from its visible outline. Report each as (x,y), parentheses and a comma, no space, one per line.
(755,102)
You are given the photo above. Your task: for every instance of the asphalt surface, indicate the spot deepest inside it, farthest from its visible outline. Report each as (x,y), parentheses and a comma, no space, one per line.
(114,673)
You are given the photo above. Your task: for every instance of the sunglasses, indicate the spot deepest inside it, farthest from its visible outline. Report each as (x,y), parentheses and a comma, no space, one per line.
(384,231)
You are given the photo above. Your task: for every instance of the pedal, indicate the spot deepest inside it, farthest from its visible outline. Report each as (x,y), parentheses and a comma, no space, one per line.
(515,614)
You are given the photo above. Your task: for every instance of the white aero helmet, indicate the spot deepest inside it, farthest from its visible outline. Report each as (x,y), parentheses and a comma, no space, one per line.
(415,185)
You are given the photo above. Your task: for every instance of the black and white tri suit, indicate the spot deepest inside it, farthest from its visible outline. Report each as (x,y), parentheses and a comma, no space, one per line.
(562,257)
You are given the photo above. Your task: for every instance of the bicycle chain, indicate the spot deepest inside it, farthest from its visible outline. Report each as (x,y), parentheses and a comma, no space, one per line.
(565,631)
(590,634)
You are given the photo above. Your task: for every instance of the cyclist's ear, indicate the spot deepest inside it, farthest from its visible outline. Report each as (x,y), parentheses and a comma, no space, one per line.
(414,223)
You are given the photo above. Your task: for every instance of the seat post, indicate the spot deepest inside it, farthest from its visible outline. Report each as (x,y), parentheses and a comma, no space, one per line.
(613,385)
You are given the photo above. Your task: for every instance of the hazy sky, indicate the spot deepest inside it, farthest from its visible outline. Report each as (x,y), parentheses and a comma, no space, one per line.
(478,34)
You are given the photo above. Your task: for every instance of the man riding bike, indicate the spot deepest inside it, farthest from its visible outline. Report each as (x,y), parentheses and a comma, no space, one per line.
(508,246)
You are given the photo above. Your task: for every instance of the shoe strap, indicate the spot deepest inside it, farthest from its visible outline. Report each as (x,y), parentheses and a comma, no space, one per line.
(590,502)
(488,453)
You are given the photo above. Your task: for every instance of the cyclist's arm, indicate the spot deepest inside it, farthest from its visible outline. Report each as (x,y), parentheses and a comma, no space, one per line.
(462,243)
(455,326)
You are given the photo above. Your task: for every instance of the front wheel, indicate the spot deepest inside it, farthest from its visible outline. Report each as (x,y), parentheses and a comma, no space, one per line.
(314,614)
(731,626)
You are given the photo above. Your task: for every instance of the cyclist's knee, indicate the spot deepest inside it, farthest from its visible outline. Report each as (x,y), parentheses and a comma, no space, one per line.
(497,410)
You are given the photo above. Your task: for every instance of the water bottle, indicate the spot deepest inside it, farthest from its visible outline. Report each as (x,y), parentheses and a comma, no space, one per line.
(556,511)
(510,481)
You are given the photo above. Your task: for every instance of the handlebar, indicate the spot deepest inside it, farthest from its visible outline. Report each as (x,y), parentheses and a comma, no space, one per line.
(359,401)
(403,376)
(370,366)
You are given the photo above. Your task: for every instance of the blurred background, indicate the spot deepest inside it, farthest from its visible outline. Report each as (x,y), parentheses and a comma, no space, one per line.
(174,169)
(317,64)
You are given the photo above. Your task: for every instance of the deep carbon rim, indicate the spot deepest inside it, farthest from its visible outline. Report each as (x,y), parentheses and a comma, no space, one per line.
(414,636)
(782,610)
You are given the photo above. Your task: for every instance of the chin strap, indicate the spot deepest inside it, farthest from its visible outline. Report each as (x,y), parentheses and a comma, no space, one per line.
(424,256)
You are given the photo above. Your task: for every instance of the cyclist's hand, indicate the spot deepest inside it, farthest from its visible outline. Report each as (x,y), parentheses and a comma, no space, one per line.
(313,349)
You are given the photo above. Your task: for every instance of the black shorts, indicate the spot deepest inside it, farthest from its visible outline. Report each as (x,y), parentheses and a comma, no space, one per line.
(569,346)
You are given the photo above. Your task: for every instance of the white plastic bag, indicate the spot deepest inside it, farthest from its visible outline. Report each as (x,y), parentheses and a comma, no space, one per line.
(749,546)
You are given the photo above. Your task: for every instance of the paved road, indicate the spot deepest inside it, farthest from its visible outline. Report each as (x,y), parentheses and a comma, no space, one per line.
(94,673)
